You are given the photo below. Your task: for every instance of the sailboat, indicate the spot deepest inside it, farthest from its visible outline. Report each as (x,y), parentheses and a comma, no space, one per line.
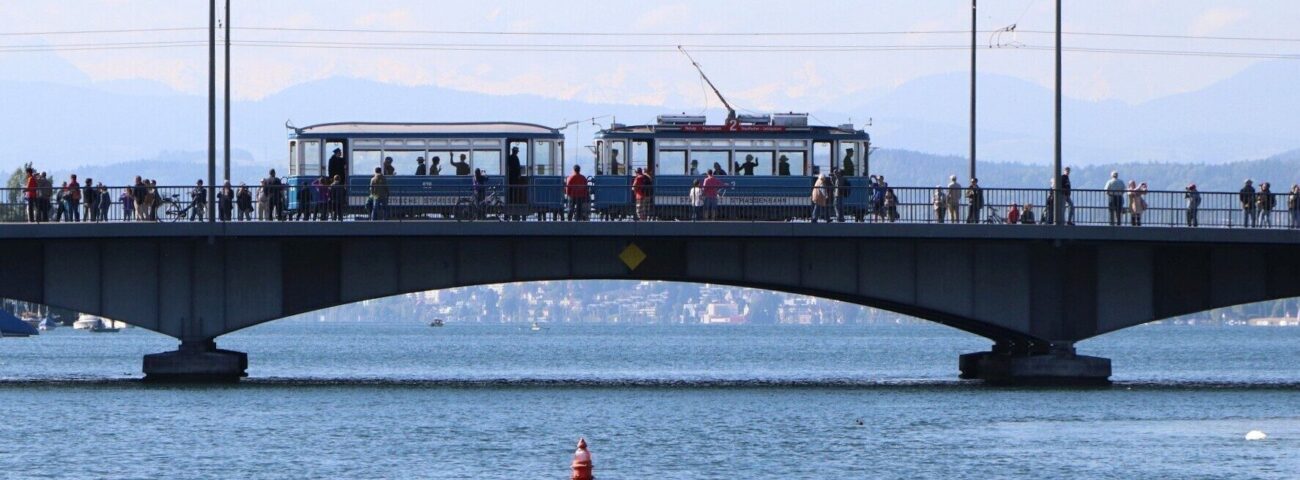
(536,327)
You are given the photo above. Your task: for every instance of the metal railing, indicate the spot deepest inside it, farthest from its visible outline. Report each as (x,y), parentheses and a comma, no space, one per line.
(730,202)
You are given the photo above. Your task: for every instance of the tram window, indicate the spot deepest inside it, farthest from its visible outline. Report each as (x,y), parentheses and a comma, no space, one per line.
(294,159)
(790,163)
(715,160)
(522,145)
(850,158)
(487,160)
(405,161)
(544,159)
(639,156)
(365,161)
(310,158)
(449,162)
(437,162)
(754,163)
(616,163)
(672,162)
(821,161)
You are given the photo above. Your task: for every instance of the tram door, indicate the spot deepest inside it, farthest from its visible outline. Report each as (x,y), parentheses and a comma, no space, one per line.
(342,145)
(850,159)
(525,156)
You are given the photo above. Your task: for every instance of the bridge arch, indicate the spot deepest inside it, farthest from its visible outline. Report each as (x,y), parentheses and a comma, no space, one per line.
(975,327)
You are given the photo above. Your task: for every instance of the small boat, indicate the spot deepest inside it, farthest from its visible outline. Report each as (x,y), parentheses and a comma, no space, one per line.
(536,327)
(437,322)
(95,324)
(47,325)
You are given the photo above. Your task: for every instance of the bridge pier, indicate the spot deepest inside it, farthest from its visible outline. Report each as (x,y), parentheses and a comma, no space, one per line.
(1060,365)
(196,361)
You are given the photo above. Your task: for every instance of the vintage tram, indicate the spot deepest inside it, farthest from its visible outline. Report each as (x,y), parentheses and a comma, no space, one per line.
(445,155)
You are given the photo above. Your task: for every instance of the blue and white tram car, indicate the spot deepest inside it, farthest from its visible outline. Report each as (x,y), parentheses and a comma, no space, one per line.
(768,162)
(449,153)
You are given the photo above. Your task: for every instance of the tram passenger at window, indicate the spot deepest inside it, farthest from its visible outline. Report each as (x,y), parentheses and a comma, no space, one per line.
(695,167)
(783,166)
(419,166)
(388,167)
(717,169)
(435,166)
(848,169)
(747,168)
(462,168)
(613,162)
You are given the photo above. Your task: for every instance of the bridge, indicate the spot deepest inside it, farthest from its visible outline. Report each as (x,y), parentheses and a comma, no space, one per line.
(1034,291)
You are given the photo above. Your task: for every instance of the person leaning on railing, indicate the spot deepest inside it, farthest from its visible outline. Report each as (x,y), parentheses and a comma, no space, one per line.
(939,202)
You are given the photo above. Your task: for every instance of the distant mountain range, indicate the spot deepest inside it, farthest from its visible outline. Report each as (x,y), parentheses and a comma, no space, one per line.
(58,118)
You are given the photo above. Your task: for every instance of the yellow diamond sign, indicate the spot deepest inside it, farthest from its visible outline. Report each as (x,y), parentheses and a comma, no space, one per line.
(632,256)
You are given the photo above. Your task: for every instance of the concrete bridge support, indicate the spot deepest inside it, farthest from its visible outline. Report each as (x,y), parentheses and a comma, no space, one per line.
(196,361)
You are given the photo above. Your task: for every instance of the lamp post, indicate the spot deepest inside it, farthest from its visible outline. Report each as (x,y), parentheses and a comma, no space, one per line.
(1056,164)
(972,87)
(212,109)
(226,109)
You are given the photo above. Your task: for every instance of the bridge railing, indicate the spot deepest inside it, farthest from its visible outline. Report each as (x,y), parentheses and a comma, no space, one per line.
(731,202)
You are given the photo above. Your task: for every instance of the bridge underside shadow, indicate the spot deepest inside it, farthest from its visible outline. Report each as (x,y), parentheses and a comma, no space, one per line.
(1033,298)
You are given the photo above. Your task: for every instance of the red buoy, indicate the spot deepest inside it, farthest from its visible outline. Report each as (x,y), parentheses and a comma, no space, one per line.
(581,462)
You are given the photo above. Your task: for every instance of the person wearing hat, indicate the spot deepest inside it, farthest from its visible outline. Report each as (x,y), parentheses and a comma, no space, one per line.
(419,167)
(338,166)
(1193,198)
(1247,198)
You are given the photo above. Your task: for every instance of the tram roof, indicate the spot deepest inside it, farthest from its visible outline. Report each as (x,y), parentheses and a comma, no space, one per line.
(450,129)
(813,132)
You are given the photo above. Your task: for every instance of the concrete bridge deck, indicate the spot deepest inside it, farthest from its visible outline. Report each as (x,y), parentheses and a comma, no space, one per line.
(1033,290)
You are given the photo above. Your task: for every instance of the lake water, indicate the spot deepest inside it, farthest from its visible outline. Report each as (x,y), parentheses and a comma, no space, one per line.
(402,400)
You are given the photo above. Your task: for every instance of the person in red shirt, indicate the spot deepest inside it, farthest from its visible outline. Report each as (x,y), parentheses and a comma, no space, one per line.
(1013,216)
(31,193)
(577,195)
(712,188)
(642,185)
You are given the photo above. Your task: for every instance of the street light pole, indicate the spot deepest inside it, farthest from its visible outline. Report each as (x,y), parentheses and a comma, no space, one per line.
(226,109)
(212,108)
(972,87)
(1056,165)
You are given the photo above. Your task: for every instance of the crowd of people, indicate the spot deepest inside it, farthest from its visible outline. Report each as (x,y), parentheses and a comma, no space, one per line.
(325,198)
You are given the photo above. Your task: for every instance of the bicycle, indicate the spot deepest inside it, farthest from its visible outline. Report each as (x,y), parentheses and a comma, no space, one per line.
(993,217)
(172,209)
(468,209)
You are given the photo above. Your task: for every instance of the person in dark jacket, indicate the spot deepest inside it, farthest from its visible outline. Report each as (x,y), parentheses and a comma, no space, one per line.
(1247,198)
(338,166)
(419,166)
(518,195)
(842,191)
(244,200)
(338,198)
(91,200)
(747,167)
(198,201)
(975,197)
(225,202)
(1265,201)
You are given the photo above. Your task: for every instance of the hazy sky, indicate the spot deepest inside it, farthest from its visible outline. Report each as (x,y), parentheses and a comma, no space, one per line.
(762,80)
